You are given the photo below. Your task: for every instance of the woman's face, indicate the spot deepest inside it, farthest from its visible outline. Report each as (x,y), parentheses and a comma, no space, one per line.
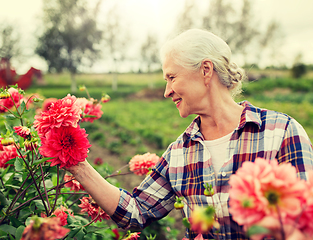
(185,87)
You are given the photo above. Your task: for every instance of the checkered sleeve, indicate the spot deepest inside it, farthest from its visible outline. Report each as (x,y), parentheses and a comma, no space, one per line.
(296,148)
(150,201)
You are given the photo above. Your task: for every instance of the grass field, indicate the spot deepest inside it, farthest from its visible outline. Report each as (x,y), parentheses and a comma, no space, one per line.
(158,119)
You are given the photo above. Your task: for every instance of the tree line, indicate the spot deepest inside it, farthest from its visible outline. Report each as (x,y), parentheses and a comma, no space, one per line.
(72,35)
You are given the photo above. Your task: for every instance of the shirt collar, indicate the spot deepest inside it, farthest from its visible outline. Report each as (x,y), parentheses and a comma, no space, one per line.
(249,114)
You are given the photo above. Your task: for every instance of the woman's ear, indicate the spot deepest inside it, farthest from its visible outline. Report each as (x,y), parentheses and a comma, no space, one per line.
(207,70)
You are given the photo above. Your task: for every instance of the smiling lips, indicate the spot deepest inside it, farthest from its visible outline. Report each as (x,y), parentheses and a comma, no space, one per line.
(177,101)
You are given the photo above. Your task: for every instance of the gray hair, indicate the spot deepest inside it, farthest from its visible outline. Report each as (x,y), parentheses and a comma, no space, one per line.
(191,47)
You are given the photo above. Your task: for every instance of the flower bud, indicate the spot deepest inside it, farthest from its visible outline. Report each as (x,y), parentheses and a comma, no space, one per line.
(5,94)
(208,191)
(7,141)
(82,88)
(105,98)
(30,145)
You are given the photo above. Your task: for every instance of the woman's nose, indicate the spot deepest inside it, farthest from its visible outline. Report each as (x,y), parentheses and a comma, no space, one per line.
(168,91)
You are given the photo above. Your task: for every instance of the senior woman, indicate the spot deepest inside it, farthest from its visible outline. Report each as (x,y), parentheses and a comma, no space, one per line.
(202,80)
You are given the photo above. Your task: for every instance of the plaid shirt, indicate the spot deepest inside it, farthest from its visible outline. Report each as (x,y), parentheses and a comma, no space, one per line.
(186,166)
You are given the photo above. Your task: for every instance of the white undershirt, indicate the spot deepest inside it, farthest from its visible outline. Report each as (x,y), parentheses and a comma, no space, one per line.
(217,149)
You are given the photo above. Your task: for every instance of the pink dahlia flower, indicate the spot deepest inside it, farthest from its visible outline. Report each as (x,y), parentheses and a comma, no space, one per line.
(67,146)
(62,214)
(90,107)
(44,229)
(8,102)
(305,223)
(92,208)
(73,184)
(22,131)
(140,164)
(259,188)
(9,152)
(64,112)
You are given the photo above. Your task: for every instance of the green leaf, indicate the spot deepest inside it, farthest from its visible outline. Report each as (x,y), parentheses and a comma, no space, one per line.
(255,229)
(19,232)
(73,232)
(6,170)
(22,106)
(8,229)
(39,205)
(15,222)
(19,164)
(42,160)
(90,116)
(3,201)
(9,116)
(11,161)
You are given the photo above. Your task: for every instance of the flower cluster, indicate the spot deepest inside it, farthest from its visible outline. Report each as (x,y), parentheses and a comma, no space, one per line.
(92,208)
(62,139)
(141,164)
(266,193)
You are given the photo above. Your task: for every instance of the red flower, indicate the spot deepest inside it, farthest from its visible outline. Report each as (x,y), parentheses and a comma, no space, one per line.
(140,164)
(22,131)
(98,161)
(8,102)
(64,112)
(74,184)
(62,215)
(116,233)
(9,152)
(90,107)
(44,229)
(92,208)
(67,146)
(48,103)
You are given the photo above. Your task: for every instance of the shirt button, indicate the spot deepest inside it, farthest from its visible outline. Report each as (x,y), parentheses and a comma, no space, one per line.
(223,174)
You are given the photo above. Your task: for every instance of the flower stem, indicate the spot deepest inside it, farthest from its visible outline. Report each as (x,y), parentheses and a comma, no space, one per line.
(94,218)
(32,175)
(282,231)
(56,189)
(44,186)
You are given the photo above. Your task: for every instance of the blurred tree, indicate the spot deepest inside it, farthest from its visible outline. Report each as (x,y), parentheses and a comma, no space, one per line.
(9,48)
(220,19)
(71,37)
(149,53)
(236,29)
(186,19)
(245,30)
(298,68)
(116,39)
(271,39)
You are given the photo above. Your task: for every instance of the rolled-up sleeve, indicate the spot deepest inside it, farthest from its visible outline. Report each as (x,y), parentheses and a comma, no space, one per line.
(150,201)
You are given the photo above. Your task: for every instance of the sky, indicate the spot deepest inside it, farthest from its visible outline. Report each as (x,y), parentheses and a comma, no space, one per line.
(159,17)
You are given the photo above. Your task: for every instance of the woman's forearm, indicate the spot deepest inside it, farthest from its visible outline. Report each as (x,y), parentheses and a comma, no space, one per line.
(106,195)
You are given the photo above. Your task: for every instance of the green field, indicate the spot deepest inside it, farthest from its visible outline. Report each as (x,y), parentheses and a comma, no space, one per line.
(157,120)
